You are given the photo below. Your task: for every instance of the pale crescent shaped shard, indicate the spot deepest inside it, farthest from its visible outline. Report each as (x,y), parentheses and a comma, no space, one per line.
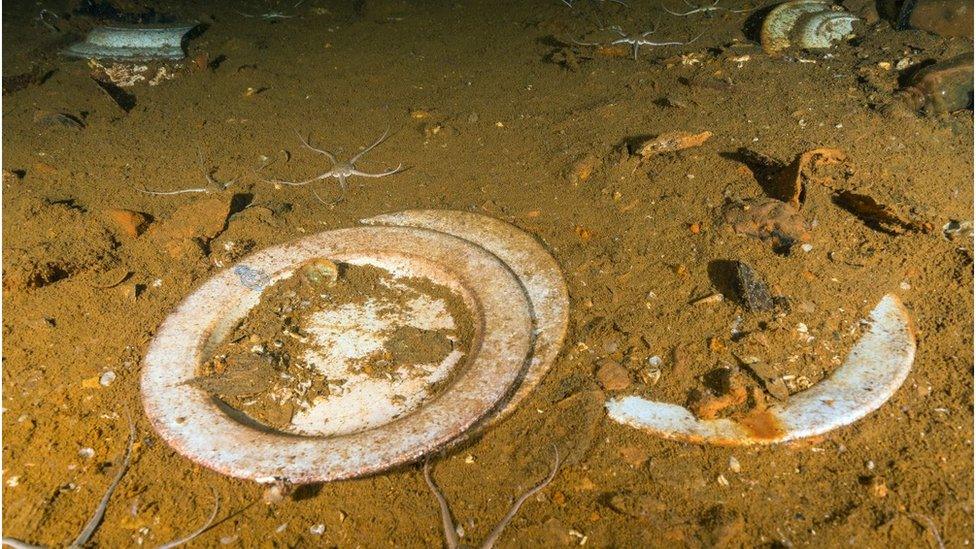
(875,368)
(535,268)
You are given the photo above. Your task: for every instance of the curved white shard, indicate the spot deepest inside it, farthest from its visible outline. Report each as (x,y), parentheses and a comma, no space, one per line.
(875,368)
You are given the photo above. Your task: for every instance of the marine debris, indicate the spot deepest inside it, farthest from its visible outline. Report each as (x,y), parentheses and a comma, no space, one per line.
(875,368)
(805,24)
(362,403)
(132,43)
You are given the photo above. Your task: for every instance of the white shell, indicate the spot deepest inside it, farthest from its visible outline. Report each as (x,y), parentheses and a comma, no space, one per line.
(875,368)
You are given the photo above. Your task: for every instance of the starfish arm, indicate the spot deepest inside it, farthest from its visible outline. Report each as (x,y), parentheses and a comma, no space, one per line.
(329,155)
(399,168)
(676,13)
(369,148)
(326,175)
(500,527)
(450,530)
(329,204)
(168,193)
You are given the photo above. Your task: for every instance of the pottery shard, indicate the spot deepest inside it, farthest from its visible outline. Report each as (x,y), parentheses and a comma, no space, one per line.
(129,222)
(612,376)
(671,142)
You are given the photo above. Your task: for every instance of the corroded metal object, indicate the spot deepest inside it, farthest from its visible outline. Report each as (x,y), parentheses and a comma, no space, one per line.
(211,434)
(535,268)
(875,368)
(806,24)
(132,43)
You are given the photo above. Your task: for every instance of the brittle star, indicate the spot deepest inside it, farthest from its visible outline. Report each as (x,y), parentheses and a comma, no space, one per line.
(341,170)
(451,537)
(707,10)
(637,41)
(270,16)
(213,186)
(569,3)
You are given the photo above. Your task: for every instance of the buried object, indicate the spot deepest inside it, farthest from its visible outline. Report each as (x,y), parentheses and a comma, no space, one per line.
(132,43)
(875,368)
(380,403)
(806,24)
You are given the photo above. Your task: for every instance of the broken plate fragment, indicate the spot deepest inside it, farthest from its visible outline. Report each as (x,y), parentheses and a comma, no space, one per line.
(875,368)
(132,43)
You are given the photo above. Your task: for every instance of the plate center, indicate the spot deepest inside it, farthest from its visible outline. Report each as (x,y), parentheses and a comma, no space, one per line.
(335,349)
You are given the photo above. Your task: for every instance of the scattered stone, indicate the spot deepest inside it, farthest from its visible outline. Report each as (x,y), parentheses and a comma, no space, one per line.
(941,88)
(130,222)
(753,292)
(86,453)
(734,465)
(317,530)
(954,229)
(612,376)
(106,379)
(771,381)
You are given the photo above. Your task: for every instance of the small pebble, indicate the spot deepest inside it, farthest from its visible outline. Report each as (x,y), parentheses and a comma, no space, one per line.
(723,481)
(612,376)
(107,378)
(13,481)
(905,285)
(227,540)
(734,465)
(654,361)
(807,248)
(86,453)
(281,528)
(317,530)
